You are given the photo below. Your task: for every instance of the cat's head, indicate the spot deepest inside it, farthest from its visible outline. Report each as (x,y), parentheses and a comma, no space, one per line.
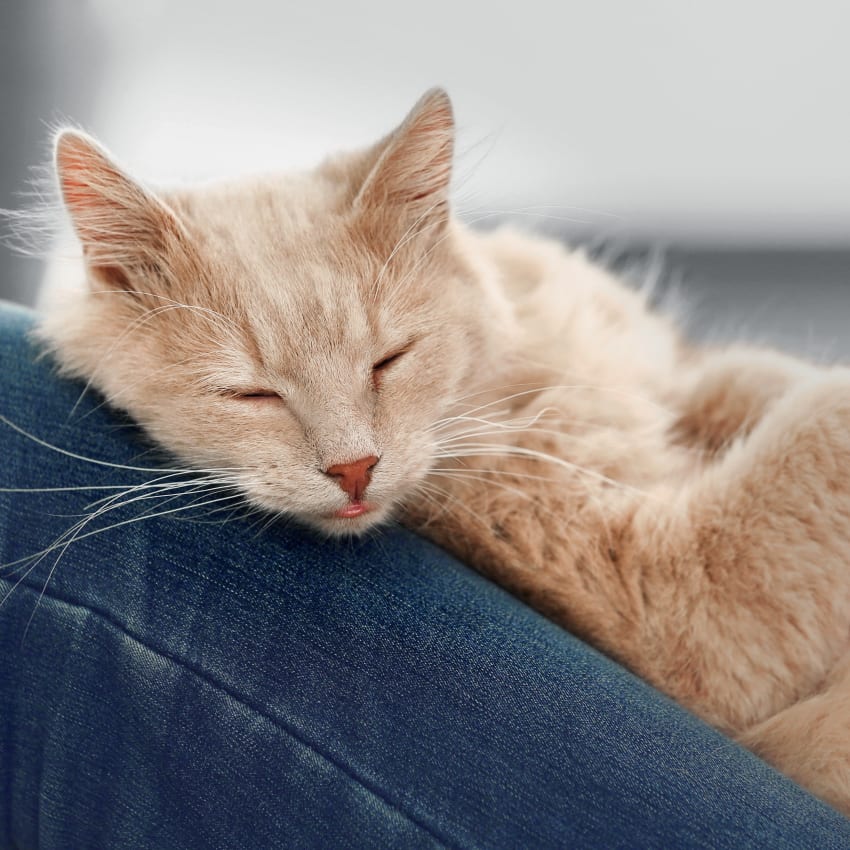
(307,332)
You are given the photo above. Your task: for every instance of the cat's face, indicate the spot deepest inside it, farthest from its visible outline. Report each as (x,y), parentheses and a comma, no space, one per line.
(306,333)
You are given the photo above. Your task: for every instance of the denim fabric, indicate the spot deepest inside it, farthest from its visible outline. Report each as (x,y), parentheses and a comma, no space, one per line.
(193,684)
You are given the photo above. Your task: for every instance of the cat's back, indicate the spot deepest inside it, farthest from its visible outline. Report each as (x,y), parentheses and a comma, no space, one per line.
(594,370)
(581,323)
(578,315)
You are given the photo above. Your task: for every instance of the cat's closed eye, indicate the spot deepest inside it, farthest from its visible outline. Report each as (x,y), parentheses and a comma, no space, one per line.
(262,396)
(381,366)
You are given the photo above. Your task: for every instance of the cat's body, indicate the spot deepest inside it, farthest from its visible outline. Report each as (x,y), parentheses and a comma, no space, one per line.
(349,350)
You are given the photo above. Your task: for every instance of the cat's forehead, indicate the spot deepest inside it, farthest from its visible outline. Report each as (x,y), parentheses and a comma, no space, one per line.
(286,256)
(314,307)
(286,236)
(283,212)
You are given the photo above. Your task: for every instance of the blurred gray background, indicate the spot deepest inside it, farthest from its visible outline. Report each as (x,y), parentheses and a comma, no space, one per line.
(702,145)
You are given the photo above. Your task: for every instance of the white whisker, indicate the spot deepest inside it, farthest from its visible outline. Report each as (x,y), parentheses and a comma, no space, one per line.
(494,449)
(23,432)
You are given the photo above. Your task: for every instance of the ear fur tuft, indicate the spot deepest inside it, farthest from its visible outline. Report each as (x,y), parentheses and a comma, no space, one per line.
(410,180)
(122,226)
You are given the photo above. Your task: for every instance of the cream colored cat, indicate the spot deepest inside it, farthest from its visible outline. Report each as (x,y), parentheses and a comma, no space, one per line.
(357,353)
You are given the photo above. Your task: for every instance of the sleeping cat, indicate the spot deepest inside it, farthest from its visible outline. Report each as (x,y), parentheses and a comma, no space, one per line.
(354,353)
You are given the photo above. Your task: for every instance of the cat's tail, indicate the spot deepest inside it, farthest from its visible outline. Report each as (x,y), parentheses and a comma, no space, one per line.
(810,741)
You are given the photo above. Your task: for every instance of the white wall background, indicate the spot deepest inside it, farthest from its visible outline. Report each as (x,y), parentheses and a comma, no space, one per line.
(705,122)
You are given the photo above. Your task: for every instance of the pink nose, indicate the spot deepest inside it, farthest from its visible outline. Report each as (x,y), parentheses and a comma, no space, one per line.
(353,477)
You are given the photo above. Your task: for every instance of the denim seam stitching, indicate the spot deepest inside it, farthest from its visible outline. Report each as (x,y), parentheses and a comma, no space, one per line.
(285,727)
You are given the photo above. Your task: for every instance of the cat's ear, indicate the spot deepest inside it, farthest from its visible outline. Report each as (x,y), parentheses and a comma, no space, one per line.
(408,186)
(126,232)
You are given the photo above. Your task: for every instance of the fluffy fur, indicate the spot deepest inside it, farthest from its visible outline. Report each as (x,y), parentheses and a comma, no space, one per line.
(685,510)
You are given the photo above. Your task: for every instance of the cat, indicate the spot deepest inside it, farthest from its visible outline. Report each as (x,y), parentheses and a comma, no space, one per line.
(353,352)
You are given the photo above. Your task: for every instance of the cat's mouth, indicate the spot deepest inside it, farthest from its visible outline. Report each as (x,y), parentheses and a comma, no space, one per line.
(356,517)
(353,509)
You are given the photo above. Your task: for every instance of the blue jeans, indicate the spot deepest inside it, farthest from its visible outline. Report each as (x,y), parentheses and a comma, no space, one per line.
(183,682)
